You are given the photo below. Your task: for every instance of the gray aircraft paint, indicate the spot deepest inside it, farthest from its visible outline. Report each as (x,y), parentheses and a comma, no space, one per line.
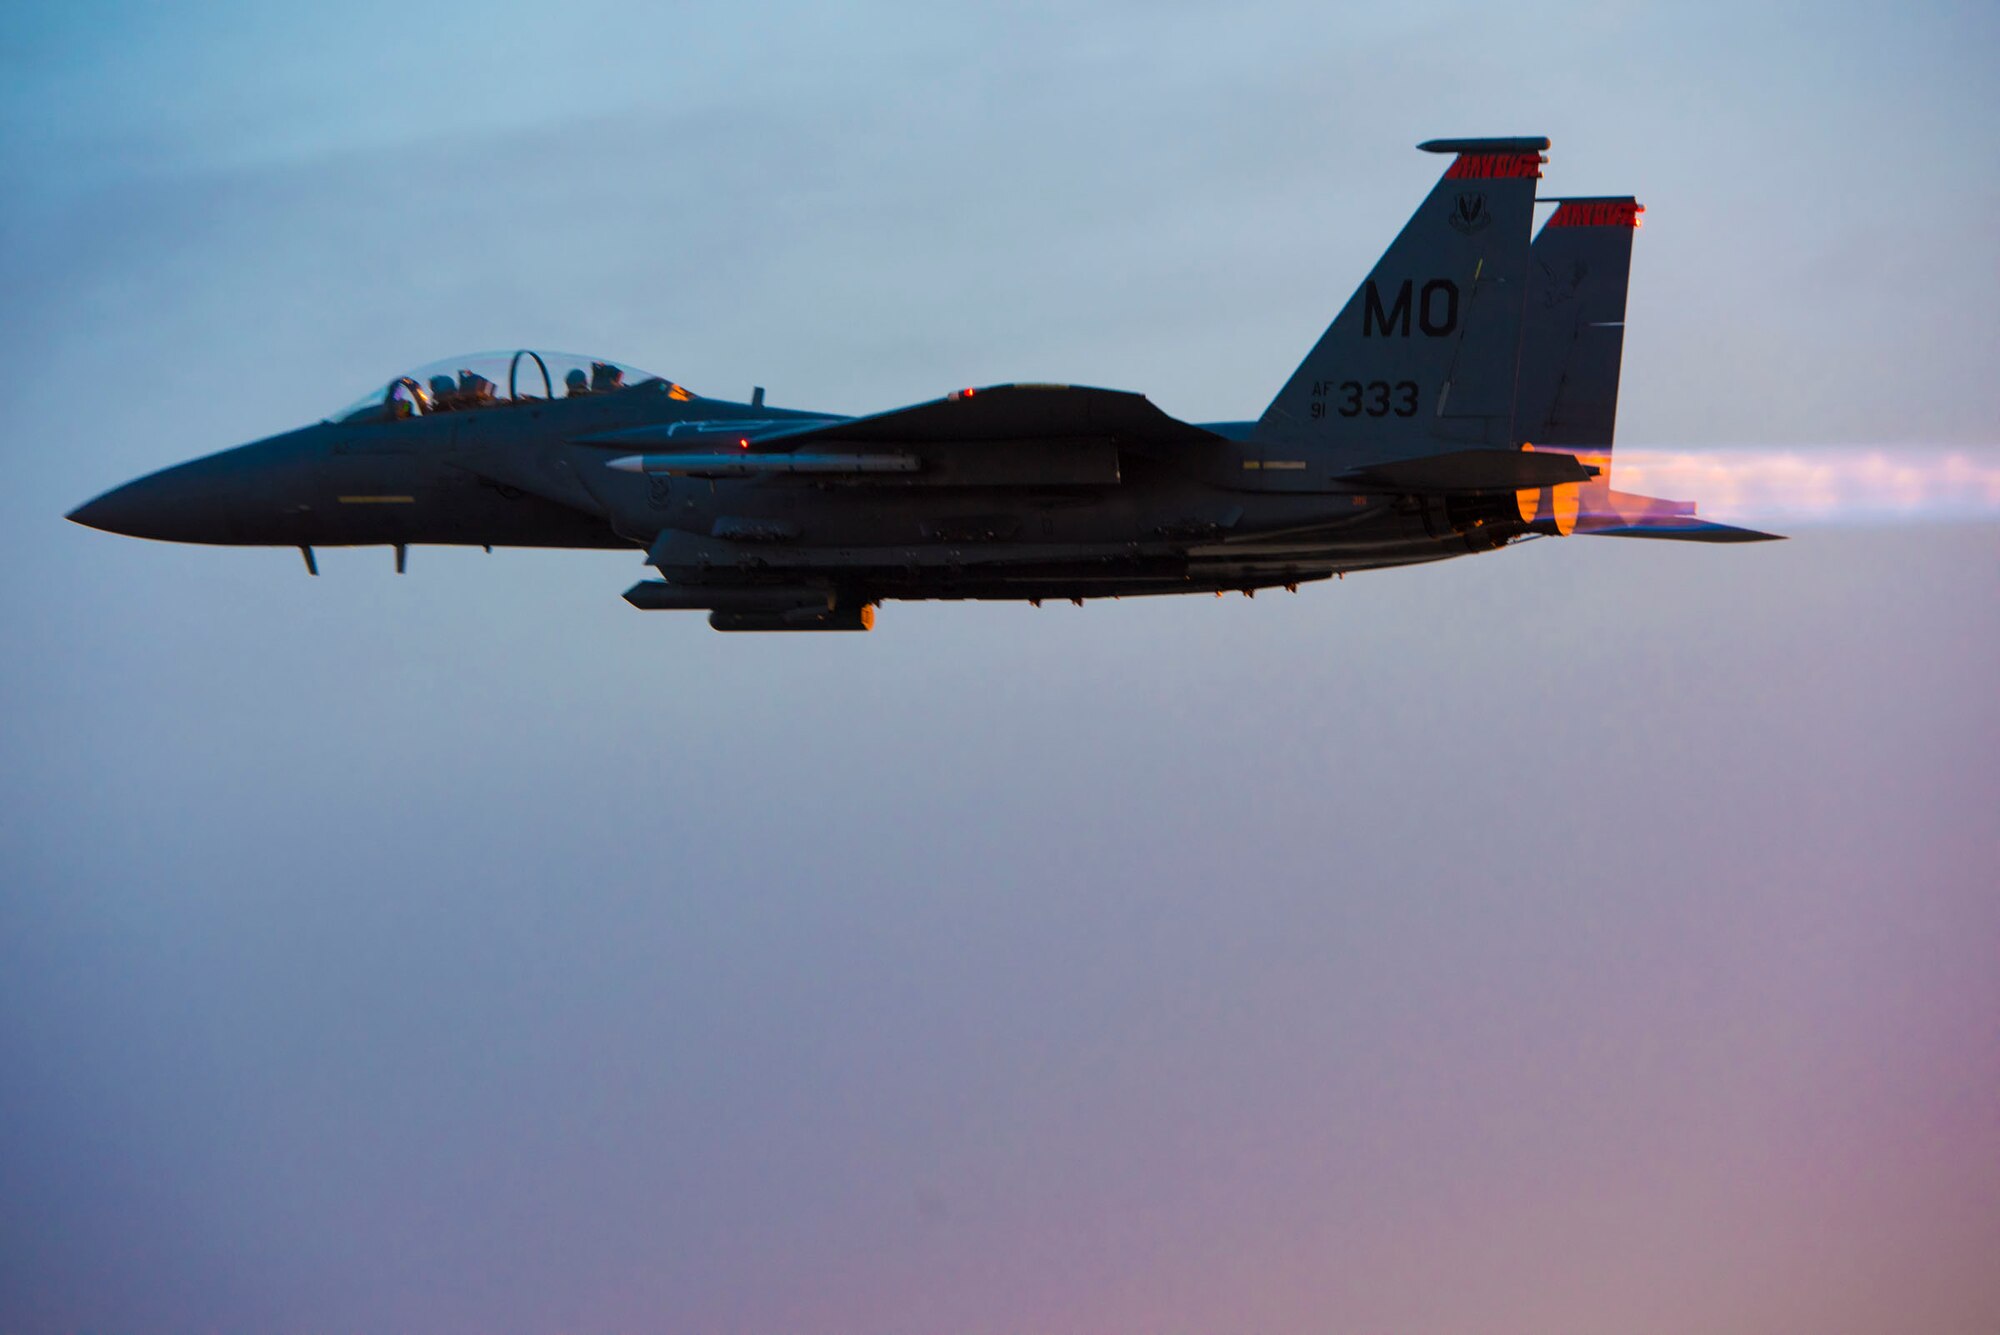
(1422,357)
(1393,443)
(1574,337)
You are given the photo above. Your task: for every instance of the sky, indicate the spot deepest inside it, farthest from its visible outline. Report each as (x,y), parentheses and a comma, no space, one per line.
(1592,935)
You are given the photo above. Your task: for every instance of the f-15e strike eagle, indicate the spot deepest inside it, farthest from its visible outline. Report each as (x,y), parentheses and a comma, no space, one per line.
(1463,399)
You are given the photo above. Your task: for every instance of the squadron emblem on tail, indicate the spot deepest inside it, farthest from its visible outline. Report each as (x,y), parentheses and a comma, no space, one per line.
(1469,214)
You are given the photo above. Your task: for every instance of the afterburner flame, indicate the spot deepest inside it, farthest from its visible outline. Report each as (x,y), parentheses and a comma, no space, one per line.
(1831,484)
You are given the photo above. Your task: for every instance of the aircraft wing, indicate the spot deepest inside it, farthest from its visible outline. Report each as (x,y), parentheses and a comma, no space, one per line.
(1001,414)
(1004,435)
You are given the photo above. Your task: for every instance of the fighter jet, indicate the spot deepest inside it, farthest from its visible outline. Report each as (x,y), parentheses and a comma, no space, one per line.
(1463,400)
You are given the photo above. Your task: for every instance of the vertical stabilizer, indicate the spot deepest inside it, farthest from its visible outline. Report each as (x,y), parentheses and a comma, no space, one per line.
(1573,342)
(1424,356)
(1575,333)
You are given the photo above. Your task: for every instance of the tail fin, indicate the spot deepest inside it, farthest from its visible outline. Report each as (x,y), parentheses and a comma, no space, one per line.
(1574,338)
(1423,357)
(1570,360)
(1572,345)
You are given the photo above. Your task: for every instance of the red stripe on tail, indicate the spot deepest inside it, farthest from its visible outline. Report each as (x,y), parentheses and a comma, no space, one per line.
(1597,213)
(1493,166)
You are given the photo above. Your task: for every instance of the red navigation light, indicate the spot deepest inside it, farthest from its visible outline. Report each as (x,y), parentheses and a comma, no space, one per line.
(743,443)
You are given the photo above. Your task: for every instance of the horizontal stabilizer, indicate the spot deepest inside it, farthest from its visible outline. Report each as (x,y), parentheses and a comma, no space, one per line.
(1626,514)
(1680,529)
(1470,472)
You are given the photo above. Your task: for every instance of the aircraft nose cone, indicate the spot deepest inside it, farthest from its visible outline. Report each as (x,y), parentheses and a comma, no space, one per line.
(116,511)
(183,504)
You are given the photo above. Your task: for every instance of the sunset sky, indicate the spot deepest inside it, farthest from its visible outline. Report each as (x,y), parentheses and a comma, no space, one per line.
(1590,936)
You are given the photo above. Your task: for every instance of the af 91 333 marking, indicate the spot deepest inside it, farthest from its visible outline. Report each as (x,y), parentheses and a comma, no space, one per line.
(1377,398)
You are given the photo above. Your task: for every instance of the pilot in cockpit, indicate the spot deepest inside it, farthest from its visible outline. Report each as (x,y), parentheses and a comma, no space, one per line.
(444,394)
(474,390)
(576,383)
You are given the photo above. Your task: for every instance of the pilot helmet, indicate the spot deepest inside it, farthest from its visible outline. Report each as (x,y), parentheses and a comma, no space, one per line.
(443,386)
(576,381)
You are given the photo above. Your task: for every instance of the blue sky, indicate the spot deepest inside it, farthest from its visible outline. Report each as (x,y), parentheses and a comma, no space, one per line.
(1590,935)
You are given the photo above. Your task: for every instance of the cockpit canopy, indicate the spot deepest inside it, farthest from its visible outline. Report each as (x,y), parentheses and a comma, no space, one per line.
(498,379)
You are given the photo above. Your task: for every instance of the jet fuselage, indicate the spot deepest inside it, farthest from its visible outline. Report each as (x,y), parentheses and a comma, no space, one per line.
(1226,513)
